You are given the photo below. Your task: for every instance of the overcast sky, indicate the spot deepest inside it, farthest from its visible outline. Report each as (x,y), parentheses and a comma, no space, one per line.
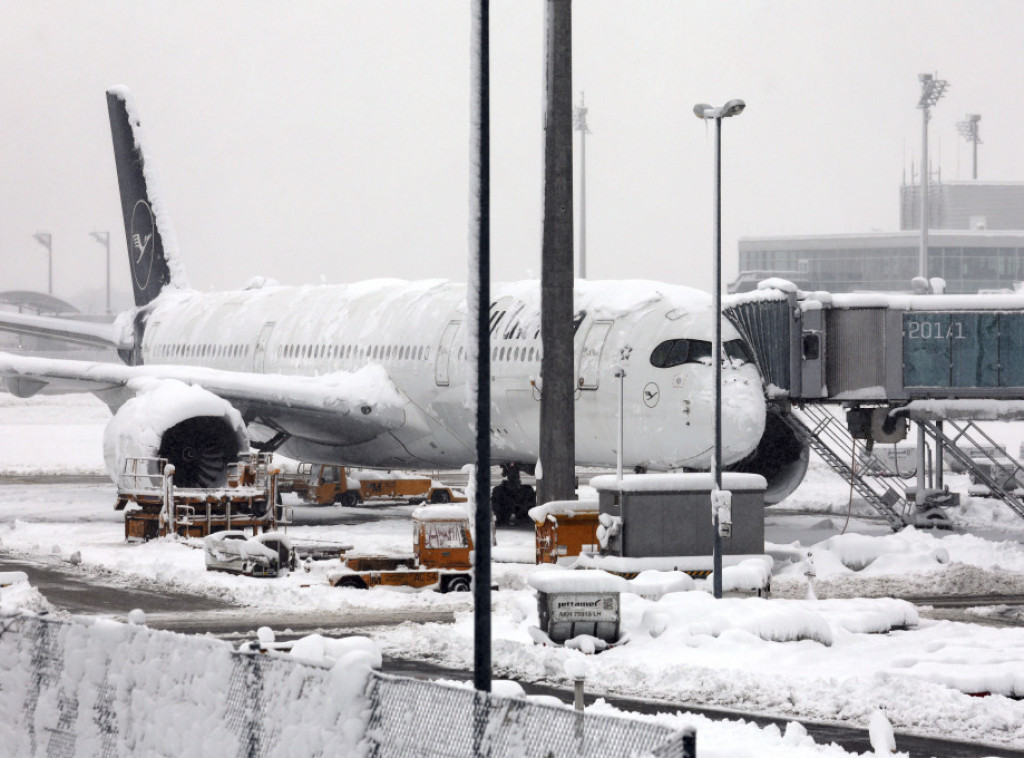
(329,141)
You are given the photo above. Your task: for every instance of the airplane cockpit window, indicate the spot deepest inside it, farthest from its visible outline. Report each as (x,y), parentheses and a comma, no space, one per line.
(737,350)
(677,352)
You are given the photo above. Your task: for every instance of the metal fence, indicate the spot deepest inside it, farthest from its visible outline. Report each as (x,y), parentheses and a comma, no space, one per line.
(82,688)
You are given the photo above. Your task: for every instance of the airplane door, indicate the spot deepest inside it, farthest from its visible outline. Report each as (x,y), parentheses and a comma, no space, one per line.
(259,355)
(442,367)
(590,359)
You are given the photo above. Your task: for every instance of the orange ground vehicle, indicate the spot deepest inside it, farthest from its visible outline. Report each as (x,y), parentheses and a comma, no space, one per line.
(154,507)
(564,529)
(324,484)
(441,561)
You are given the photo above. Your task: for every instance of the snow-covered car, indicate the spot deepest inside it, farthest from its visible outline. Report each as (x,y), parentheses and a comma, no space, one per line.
(263,555)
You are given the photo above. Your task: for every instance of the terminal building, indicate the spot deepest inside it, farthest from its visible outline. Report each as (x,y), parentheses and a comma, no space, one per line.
(975,243)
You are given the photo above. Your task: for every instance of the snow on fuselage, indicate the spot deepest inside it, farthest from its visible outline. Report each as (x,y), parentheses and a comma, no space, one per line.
(659,334)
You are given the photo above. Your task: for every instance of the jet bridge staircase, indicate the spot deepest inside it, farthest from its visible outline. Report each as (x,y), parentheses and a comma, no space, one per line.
(983,458)
(871,478)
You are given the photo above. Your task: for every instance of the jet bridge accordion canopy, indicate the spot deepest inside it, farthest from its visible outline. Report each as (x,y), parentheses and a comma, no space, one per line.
(880,348)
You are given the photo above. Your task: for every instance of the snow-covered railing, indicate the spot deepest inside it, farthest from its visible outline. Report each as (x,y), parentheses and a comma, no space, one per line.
(142,476)
(96,687)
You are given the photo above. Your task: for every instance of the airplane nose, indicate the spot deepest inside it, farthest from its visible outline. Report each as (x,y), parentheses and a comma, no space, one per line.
(743,416)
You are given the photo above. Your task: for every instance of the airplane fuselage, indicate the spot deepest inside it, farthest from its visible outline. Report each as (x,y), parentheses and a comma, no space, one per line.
(417,331)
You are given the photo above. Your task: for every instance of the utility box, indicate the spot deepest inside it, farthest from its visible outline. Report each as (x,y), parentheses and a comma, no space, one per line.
(571,603)
(564,529)
(655,515)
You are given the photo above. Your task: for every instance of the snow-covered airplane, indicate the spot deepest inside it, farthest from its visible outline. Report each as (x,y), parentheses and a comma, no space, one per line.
(374,373)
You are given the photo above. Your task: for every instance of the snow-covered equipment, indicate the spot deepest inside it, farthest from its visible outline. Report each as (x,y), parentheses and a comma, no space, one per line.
(155,506)
(664,521)
(263,555)
(443,557)
(324,484)
(564,529)
(578,603)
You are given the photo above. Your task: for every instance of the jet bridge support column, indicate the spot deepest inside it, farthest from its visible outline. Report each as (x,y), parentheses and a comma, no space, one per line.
(922,460)
(557,405)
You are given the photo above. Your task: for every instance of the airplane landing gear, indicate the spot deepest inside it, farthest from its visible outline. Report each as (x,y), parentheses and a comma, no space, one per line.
(511,500)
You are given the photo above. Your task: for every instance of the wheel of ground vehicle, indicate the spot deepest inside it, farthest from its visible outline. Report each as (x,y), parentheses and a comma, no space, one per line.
(458,584)
(351,581)
(440,496)
(348,498)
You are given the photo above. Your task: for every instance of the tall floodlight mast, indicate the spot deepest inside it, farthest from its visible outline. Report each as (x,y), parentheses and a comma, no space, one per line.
(969,131)
(932,90)
(580,124)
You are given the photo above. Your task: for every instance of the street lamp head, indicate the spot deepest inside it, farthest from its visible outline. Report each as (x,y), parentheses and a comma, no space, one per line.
(703,111)
(733,108)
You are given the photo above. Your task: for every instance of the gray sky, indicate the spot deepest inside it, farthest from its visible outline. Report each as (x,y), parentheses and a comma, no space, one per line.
(313,141)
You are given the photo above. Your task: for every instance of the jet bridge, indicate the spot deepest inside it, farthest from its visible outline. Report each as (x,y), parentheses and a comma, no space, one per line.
(888,358)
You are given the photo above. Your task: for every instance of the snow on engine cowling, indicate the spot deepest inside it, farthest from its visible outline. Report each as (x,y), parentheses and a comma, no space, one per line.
(196,431)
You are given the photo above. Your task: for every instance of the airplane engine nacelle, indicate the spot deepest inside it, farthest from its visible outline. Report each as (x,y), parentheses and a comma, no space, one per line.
(198,432)
(780,457)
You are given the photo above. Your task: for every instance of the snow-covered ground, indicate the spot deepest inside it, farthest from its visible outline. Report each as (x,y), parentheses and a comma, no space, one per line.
(838,658)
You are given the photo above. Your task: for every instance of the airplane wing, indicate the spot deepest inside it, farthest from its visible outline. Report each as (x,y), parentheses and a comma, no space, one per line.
(348,407)
(68,330)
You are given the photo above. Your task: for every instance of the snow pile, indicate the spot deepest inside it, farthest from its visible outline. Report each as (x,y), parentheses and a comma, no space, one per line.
(695,614)
(347,652)
(748,575)
(993,664)
(911,562)
(16,594)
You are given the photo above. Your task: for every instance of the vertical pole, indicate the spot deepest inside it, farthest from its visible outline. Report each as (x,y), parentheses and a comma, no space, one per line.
(975,141)
(49,274)
(583,196)
(618,455)
(557,411)
(716,352)
(922,464)
(922,260)
(482,546)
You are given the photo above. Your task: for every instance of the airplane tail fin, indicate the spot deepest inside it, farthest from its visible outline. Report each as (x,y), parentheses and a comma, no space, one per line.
(152,248)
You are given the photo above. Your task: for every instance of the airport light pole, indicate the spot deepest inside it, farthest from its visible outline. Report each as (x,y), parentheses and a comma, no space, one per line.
(706,113)
(480,224)
(104,239)
(46,240)
(969,131)
(580,123)
(932,90)
(620,374)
